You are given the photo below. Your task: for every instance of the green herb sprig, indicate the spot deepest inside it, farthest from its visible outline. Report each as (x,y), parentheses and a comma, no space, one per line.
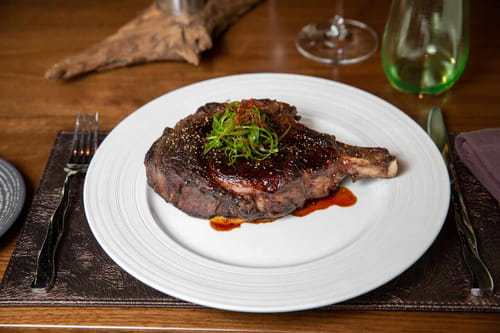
(242,131)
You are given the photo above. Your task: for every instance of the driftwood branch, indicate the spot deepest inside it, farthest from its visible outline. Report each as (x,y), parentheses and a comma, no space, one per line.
(155,35)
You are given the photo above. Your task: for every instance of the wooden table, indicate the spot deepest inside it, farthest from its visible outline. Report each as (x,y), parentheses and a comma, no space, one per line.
(36,34)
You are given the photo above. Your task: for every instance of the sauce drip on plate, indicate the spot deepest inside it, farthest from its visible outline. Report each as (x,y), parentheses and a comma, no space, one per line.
(220,223)
(343,197)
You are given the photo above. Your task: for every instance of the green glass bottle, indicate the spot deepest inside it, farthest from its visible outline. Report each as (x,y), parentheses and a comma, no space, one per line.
(426,44)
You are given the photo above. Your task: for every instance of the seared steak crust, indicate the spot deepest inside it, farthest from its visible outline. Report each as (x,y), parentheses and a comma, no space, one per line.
(309,165)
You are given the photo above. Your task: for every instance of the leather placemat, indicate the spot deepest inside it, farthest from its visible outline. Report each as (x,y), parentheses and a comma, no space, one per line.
(86,276)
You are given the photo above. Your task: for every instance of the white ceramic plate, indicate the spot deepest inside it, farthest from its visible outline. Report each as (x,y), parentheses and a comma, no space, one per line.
(294,263)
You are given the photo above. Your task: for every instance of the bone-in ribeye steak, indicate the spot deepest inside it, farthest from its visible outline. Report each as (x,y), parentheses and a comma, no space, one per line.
(308,165)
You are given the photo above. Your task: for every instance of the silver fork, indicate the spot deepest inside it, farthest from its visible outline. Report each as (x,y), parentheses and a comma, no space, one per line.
(83,147)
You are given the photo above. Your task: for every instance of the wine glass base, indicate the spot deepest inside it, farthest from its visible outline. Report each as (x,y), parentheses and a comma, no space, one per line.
(315,41)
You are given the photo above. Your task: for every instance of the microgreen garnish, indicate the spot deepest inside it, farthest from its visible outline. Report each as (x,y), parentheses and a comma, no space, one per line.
(243,131)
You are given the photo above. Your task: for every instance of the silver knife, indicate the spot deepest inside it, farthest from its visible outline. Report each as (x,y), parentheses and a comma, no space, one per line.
(481,278)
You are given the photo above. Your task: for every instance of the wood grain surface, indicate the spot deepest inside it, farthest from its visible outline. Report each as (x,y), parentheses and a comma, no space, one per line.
(36,34)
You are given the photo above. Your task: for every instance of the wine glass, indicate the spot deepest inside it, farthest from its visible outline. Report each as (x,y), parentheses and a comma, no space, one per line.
(337,40)
(426,45)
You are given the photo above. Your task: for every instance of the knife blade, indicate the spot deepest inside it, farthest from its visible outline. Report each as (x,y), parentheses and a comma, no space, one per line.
(482,280)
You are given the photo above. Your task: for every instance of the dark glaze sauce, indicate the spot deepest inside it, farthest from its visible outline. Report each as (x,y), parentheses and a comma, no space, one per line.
(301,150)
(343,197)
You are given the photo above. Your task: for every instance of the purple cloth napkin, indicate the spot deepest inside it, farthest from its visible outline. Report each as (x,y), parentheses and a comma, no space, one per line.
(480,152)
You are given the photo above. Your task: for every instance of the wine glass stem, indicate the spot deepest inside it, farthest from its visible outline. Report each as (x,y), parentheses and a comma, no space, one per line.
(339,8)
(338,29)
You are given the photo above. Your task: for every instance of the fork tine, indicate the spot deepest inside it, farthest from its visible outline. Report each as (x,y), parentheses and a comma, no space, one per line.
(91,138)
(81,140)
(74,141)
(87,149)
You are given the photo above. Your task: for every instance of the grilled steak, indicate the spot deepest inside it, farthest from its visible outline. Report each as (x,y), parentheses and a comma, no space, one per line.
(308,165)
